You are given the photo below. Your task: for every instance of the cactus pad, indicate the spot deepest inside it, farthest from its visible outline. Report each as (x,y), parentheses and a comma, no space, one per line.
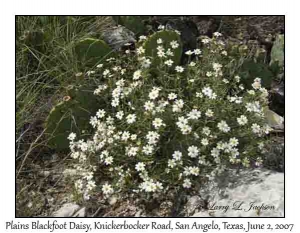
(150,46)
(91,51)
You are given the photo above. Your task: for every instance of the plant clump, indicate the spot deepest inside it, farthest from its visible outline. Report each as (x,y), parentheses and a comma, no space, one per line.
(172,130)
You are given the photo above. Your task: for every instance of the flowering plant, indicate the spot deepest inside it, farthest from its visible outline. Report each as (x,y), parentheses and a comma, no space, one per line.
(171,127)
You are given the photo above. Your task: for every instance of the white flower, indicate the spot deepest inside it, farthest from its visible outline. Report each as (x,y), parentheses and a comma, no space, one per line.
(217,34)
(106,72)
(187,183)
(225,80)
(192,64)
(266,129)
(152,137)
(217,66)
(99,65)
(253,107)
(223,127)
(258,162)
(131,118)
(120,115)
(193,151)
(90,72)
(108,160)
(189,52)
(115,102)
(199,95)
(233,142)
(208,74)
(204,142)
(142,37)
(172,96)
(194,171)
(206,131)
(256,85)
(177,155)
(160,48)
(181,121)
(169,62)
(161,27)
(125,135)
(149,106)
(197,51)
(159,41)
(140,166)
(237,78)
(140,50)
(170,53)
(161,53)
(107,189)
(224,53)
(179,69)
(148,149)
(215,152)
(242,120)
(261,145)
(178,105)
(186,129)
(209,113)
(157,123)
(72,136)
(174,44)
(154,93)
(205,40)
(132,151)
(194,114)
(171,163)
(146,63)
(207,91)
(255,128)
(101,113)
(137,74)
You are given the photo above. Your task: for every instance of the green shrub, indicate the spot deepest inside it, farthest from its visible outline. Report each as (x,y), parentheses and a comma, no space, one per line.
(171,131)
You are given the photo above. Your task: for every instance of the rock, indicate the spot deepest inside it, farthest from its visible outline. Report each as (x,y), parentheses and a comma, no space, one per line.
(274,155)
(193,203)
(70,172)
(80,213)
(277,102)
(118,36)
(261,187)
(112,200)
(206,25)
(274,120)
(67,210)
(138,214)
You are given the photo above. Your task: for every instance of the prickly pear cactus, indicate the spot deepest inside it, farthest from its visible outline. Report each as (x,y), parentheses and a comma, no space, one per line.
(277,52)
(251,70)
(71,115)
(151,44)
(91,51)
(133,23)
